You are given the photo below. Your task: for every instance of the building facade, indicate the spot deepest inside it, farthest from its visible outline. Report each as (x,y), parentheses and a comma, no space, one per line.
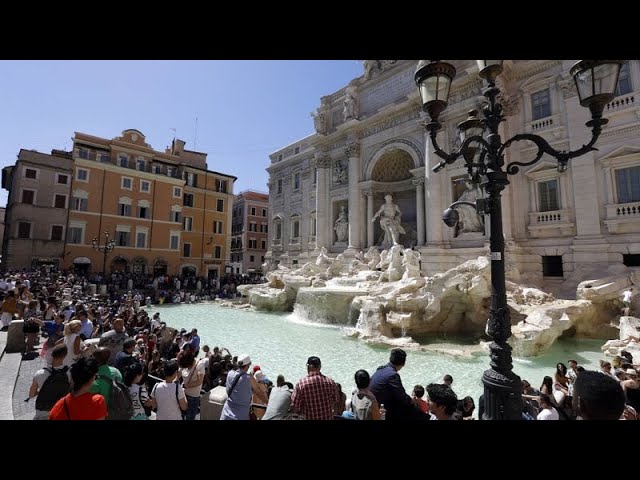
(250,232)
(370,142)
(37,209)
(166,211)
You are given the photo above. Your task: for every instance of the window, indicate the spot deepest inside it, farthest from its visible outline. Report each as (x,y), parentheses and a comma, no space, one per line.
(82,175)
(127,183)
(631,259)
(124,210)
(278,231)
(295,228)
(279,185)
(186,250)
(187,224)
(79,204)
(548,196)
(174,241)
(145,186)
(141,240)
(252,258)
(313,226)
(264,244)
(253,227)
(60,201)
(28,196)
(177,192)
(144,212)
(176,217)
(217,227)
(83,153)
(188,200)
(31,173)
(141,164)
(62,179)
(172,172)
(74,235)
(191,178)
(552,266)
(296,181)
(122,239)
(624,81)
(104,158)
(220,205)
(217,251)
(262,259)
(294,262)
(253,243)
(221,186)
(253,211)
(628,184)
(264,212)
(157,169)
(280,157)
(540,104)
(56,232)
(123,160)
(296,150)
(24,229)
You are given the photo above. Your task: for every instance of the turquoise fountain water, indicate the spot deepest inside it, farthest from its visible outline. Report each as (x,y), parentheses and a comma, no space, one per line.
(281,344)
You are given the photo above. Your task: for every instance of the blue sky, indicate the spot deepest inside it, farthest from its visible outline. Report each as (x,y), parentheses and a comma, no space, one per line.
(245,109)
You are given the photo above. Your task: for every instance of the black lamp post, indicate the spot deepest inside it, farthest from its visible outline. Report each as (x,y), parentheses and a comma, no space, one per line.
(483,152)
(106,249)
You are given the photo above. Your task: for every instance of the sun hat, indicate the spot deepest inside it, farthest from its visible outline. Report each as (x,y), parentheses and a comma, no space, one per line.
(244,360)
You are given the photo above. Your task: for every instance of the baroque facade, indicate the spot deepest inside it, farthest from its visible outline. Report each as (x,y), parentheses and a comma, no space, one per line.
(370,141)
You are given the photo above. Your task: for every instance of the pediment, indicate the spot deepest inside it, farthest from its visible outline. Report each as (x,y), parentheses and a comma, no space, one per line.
(623,152)
(542,167)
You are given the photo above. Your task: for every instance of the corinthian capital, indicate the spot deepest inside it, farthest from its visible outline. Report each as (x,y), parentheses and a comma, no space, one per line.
(418,181)
(323,161)
(352,150)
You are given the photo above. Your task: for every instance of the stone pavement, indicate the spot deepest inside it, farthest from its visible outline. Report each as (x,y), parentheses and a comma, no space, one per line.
(28,367)
(9,367)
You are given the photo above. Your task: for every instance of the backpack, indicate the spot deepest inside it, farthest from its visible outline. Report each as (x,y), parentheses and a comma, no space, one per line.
(53,389)
(120,406)
(361,407)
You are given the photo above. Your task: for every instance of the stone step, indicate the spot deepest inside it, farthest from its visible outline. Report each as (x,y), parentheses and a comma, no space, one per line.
(9,368)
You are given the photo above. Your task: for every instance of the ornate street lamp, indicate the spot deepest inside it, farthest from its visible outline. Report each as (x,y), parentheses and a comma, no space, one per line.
(106,249)
(483,154)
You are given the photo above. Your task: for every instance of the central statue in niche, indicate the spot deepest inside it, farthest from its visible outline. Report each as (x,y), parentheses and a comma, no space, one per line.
(390,218)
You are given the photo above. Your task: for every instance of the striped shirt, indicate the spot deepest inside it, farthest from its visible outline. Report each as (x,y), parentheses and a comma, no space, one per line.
(315,396)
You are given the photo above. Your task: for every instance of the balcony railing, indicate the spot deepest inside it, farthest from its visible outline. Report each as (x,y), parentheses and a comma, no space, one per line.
(551,223)
(623,217)
(619,103)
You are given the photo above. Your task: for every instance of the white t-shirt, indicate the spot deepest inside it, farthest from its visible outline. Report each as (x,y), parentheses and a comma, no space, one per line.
(200,370)
(548,414)
(165,395)
(626,296)
(138,395)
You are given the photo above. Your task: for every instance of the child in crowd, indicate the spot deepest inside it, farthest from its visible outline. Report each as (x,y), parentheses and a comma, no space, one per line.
(418,393)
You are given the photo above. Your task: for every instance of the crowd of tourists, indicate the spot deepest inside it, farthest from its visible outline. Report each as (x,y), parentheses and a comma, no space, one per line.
(107,358)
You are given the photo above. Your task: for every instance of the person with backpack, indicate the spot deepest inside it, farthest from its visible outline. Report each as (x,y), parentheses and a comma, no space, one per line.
(168,397)
(80,404)
(50,384)
(106,374)
(109,383)
(364,405)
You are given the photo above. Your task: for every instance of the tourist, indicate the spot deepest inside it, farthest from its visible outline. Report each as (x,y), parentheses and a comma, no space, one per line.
(316,395)
(54,331)
(442,401)
(416,396)
(447,380)
(8,308)
(73,341)
(263,387)
(279,401)
(80,404)
(560,384)
(125,357)
(86,331)
(31,326)
(240,388)
(386,385)
(605,367)
(465,408)
(364,405)
(192,372)
(138,393)
(105,374)
(55,388)
(627,296)
(342,400)
(168,397)
(114,339)
(600,397)
(631,389)
(547,411)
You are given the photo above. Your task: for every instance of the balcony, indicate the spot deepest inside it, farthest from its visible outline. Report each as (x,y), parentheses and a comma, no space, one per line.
(619,103)
(623,218)
(551,224)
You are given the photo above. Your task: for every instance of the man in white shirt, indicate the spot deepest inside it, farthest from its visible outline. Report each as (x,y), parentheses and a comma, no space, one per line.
(547,412)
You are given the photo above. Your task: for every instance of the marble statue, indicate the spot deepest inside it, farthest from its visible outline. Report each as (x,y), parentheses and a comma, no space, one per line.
(372,257)
(319,121)
(340,173)
(469,221)
(389,222)
(341,226)
(369,65)
(350,110)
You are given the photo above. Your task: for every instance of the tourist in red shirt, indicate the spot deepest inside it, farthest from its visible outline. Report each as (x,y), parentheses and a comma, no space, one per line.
(80,404)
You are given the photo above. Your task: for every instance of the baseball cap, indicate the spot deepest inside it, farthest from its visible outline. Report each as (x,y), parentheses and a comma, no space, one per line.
(256,368)
(244,360)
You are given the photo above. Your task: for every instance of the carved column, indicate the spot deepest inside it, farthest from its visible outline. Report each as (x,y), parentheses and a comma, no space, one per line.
(433,195)
(323,163)
(353,154)
(370,213)
(419,183)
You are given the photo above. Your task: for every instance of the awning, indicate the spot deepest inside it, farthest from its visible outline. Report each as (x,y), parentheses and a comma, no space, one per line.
(81,261)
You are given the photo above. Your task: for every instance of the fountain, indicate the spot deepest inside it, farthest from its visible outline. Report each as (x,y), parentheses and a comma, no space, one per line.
(388,301)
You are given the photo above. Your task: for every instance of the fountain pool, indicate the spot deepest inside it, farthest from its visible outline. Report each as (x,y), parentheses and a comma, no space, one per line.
(281,344)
